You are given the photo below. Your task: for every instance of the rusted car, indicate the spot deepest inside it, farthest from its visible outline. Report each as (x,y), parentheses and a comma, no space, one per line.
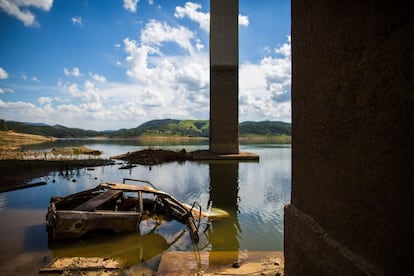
(118,207)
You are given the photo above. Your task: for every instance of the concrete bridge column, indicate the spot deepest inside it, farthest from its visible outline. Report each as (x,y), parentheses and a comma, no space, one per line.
(351,210)
(224,62)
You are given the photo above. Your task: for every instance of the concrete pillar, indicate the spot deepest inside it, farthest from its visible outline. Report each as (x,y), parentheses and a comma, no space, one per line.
(224,61)
(351,209)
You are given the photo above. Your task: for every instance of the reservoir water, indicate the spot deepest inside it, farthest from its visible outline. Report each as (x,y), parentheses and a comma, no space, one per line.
(253,193)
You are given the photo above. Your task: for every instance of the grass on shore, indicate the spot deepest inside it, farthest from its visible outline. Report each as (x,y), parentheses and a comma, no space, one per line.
(10,140)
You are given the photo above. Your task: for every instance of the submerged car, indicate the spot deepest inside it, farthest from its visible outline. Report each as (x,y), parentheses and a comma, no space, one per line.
(119,208)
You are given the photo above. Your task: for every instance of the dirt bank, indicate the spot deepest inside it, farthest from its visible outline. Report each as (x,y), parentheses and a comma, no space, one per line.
(10,140)
(18,172)
(153,156)
(18,166)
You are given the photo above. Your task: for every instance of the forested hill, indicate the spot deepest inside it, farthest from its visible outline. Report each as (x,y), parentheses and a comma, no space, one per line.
(57,131)
(169,127)
(165,127)
(265,128)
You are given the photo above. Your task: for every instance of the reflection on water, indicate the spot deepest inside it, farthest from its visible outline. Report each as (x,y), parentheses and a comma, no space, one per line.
(3,202)
(132,247)
(223,234)
(252,193)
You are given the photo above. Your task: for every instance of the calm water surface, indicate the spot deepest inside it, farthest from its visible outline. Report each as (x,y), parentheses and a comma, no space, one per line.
(253,193)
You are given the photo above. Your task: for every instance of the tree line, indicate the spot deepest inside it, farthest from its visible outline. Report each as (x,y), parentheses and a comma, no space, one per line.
(164,127)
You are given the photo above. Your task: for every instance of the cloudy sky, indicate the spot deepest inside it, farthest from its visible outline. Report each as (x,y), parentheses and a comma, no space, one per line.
(116,64)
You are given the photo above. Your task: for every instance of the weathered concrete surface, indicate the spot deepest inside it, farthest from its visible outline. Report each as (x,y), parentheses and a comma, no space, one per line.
(352,133)
(224,78)
(320,253)
(222,263)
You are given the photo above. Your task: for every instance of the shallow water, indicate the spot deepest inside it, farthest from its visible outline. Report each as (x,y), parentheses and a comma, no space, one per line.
(254,194)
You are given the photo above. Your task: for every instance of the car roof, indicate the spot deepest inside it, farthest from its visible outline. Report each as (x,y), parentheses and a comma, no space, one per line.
(128,187)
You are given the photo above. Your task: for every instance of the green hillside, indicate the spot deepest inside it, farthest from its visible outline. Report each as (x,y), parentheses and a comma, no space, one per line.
(265,128)
(165,127)
(57,131)
(168,127)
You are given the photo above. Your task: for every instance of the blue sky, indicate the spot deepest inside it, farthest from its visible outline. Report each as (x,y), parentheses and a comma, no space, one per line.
(111,64)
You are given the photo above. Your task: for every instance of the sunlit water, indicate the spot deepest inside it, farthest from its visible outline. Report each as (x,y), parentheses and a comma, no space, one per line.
(253,193)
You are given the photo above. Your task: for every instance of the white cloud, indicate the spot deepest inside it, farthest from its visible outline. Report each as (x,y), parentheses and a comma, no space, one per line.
(75,72)
(156,33)
(199,45)
(92,93)
(191,10)
(120,105)
(243,20)
(192,74)
(151,2)
(20,9)
(45,100)
(163,83)
(168,86)
(46,104)
(151,99)
(15,105)
(25,77)
(148,64)
(98,77)
(6,90)
(89,93)
(285,48)
(265,87)
(178,84)
(3,74)
(70,115)
(137,60)
(131,5)
(19,111)
(77,21)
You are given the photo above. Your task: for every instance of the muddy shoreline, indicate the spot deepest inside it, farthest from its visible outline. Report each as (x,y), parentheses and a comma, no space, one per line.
(15,173)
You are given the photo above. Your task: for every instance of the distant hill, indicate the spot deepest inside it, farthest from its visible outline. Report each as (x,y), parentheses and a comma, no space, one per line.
(57,131)
(165,127)
(169,127)
(265,128)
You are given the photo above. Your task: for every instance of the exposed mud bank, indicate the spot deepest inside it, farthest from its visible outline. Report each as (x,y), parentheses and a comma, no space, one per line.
(18,172)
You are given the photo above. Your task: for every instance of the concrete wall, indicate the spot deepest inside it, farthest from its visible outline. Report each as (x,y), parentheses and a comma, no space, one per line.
(352,138)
